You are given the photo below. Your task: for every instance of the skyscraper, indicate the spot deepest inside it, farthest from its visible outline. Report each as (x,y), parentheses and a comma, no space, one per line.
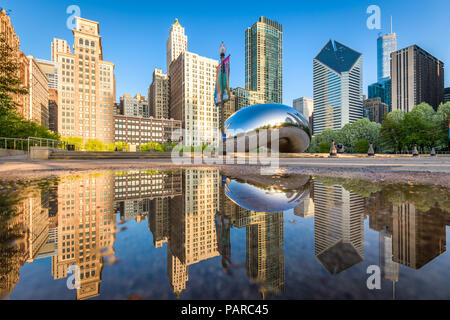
(385,46)
(176,43)
(158,95)
(417,77)
(264,59)
(192,84)
(337,87)
(86,86)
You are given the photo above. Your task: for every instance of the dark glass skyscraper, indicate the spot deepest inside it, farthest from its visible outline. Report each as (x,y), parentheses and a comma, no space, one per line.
(417,77)
(264,59)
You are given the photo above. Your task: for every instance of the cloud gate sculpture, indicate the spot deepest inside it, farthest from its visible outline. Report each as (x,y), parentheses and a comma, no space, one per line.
(282,125)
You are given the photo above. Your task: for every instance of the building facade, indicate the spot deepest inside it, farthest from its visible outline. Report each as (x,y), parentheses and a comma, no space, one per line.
(134,107)
(447,95)
(337,87)
(38,93)
(139,130)
(192,85)
(176,43)
(375,110)
(304,105)
(417,77)
(59,46)
(159,95)
(381,90)
(86,86)
(264,59)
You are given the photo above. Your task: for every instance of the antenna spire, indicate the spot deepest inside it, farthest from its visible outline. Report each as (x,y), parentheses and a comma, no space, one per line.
(391,24)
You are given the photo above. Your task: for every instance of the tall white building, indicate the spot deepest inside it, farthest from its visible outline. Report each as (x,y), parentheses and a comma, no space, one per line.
(337,87)
(86,86)
(176,43)
(192,84)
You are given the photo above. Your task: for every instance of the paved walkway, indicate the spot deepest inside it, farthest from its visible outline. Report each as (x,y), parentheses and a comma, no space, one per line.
(429,170)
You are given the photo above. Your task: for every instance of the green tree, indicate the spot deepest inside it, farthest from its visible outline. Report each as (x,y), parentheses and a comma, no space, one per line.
(443,122)
(391,133)
(10,83)
(94,145)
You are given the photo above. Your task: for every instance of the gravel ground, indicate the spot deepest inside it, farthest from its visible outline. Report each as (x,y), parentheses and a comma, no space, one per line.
(426,170)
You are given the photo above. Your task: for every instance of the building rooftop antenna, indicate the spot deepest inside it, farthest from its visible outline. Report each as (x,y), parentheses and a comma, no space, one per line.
(391,24)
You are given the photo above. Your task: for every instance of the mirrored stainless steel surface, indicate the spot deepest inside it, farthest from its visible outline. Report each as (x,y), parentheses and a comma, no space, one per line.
(294,134)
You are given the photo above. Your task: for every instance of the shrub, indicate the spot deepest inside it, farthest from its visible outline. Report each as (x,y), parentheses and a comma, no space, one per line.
(120,145)
(151,145)
(324,147)
(362,146)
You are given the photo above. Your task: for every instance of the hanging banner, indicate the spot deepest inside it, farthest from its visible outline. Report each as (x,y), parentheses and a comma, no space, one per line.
(222,82)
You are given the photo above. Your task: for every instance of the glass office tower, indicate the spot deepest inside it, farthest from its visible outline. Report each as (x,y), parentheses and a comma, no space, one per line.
(264,59)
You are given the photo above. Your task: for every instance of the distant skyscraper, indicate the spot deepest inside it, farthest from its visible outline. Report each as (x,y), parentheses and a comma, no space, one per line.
(385,46)
(264,59)
(158,95)
(337,87)
(176,43)
(86,86)
(417,77)
(447,95)
(192,81)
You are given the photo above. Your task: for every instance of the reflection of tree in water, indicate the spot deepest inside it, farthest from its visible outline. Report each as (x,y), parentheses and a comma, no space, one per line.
(424,197)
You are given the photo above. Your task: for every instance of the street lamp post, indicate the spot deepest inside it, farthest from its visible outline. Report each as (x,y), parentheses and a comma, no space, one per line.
(222,51)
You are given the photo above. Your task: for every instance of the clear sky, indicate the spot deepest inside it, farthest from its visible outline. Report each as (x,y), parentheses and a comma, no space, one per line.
(134,33)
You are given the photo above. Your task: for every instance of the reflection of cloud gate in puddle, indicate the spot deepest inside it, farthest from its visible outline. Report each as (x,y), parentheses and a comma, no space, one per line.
(293,135)
(258,195)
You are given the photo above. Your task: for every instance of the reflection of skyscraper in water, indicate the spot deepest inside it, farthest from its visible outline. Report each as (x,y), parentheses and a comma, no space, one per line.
(389,268)
(86,225)
(264,254)
(264,244)
(192,234)
(25,225)
(158,221)
(418,237)
(338,227)
(306,208)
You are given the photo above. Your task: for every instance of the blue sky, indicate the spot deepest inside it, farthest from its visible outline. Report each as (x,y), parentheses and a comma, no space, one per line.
(134,33)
